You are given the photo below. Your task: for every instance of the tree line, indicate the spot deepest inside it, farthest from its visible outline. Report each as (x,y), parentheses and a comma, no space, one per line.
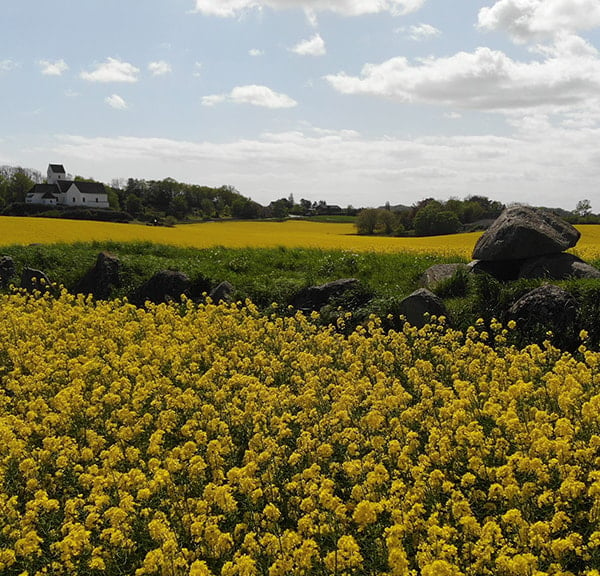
(170,200)
(431,217)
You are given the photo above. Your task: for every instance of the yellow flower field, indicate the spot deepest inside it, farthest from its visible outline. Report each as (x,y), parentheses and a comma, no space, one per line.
(204,440)
(16,230)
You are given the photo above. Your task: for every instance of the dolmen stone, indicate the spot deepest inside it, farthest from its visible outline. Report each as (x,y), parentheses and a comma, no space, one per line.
(313,298)
(419,306)
(223,292)
(164,286)
(7,270)
(503,270)
(557,267)
(438,273)
(32,279)
(101,278)
(548,307)
(522,232)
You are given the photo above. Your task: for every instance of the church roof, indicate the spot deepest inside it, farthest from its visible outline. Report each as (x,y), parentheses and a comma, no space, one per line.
(90,187)
(57,168)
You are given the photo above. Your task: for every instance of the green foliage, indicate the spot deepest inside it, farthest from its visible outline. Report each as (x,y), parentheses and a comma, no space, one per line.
(276,274)
(366,221)
(434,220)
(455,286)
(378,221)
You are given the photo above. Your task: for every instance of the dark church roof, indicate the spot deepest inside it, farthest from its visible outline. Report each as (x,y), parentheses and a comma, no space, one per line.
(43,189)
(57,168)
(84,187)
(63,185)
(91,187)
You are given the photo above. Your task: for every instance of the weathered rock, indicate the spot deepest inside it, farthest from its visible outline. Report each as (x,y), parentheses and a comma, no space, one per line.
(440,272)
(7,270)
(557,267)
(32,279)
(503,270)
(522,232)
(164,286)
(315,297)
(419,306)
(223,292)
(100,279)
(547,308)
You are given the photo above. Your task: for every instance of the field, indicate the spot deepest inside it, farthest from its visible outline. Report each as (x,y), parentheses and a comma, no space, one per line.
(238,234)
(198,439)
(216,440)
(244,234)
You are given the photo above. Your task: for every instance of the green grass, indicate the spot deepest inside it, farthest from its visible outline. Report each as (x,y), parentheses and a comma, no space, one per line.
(264,275)
(268,275)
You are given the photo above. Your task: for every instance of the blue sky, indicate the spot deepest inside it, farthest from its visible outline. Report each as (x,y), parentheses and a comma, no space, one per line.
(350,101)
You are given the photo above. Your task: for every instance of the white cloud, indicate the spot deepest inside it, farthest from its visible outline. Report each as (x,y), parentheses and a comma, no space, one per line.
(213,99)
(256,52)
(420,32)
(197,69)
(314,46)
(7,65)
(159,68)
(484,79)
(527,20)
(252,94)
(55,68)
(231,8)
(113,70)
(539,164)
(115,101)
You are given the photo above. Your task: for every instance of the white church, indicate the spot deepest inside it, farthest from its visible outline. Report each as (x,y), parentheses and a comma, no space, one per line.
(62,189)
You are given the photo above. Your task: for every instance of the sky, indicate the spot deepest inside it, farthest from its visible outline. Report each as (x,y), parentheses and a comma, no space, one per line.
(355,102)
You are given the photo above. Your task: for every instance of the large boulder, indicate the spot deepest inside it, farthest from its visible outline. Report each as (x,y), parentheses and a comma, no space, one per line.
(100,279)
(223,292)
(547,308)
(503,270)
(557,267)
(32,280)
(7,270)
(164,286)
(438,273)
(315,297)
(419,306)
(522,232)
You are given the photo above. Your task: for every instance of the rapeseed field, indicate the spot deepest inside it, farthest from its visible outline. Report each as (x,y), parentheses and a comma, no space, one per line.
(197,439)
(248,234)
(238,234)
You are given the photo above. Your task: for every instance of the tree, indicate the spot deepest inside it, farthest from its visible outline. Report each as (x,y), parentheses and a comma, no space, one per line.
(245,208)
(433,220)
(178,207)
(583,208)
(113,198)
(3,190)
(133,204)
(366,221)
(18,186)
(280,208)
(208,207)
(386,221)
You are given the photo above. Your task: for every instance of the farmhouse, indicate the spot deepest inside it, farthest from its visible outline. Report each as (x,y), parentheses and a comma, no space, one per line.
(61,189)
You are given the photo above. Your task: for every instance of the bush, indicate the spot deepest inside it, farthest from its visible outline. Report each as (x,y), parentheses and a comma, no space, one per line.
(433,220)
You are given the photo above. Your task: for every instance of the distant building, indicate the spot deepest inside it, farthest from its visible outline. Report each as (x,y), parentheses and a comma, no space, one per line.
(61,189)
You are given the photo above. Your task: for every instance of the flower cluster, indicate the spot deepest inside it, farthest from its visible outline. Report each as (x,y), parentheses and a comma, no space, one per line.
(212,440)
